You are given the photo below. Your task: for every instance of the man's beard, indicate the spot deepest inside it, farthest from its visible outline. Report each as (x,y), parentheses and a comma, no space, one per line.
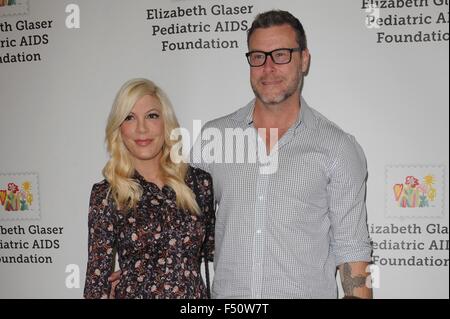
(282,97)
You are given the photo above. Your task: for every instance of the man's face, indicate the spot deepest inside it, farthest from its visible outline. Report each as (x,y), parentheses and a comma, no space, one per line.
(276,83)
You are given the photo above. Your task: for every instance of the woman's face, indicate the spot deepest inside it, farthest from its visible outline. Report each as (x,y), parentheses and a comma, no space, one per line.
(143,131)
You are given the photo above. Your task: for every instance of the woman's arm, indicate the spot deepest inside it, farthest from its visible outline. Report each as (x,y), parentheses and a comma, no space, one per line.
(101,243)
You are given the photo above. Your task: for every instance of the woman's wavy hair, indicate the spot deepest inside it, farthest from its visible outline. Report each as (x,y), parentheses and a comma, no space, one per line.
(119,170)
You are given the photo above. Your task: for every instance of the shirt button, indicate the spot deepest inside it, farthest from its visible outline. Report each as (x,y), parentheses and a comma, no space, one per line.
(259,231)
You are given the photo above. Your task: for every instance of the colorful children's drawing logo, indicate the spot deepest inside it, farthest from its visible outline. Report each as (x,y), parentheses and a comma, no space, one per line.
(7,2)
(13,7)
(19,196)
(14,199)
(415,193)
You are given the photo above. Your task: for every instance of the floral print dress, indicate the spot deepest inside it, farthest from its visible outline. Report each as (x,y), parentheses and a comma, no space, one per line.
(159,246)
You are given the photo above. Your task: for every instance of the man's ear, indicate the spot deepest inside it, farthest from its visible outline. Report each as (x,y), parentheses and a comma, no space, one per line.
(306,61)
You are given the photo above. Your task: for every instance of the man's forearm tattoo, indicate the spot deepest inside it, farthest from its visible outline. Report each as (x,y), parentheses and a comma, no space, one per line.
(349,283)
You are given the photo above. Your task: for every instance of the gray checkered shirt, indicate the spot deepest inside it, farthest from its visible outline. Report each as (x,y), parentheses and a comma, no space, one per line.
(282,235)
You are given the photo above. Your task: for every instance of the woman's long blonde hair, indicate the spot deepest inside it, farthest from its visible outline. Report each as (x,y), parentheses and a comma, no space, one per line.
(119,170)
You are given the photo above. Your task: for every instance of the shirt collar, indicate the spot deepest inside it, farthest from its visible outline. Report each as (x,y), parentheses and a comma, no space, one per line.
(306,115)
(152,187)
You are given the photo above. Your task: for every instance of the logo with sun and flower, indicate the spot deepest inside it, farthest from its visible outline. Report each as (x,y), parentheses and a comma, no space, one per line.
(415,191)
(13,7)
(18,196)
(14,199)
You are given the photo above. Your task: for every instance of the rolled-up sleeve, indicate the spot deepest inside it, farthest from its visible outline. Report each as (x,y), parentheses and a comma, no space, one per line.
(350,240)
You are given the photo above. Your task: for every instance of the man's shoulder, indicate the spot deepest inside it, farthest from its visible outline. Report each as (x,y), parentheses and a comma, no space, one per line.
(338,143)
(230,120)
(325,124)
(330,135)
(327,127)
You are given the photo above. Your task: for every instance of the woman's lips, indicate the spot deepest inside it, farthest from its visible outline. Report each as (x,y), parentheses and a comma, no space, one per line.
(143,142)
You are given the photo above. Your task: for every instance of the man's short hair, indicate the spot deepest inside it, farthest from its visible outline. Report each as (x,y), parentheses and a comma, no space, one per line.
(277,18)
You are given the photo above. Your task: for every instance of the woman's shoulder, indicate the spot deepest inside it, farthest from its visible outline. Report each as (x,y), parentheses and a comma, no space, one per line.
(198,174)
(200,182)
(100,190)
(101,186)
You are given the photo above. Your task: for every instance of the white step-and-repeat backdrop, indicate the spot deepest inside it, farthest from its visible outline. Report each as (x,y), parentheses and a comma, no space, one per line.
(380,69)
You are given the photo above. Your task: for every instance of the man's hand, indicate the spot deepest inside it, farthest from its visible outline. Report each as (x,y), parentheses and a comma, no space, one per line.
(354,280)
(114,280)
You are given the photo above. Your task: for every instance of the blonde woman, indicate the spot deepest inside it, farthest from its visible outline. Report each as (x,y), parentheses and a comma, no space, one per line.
(157,215)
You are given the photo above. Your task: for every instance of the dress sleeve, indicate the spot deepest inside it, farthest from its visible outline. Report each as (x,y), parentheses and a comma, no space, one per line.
(208,209)
(101,243)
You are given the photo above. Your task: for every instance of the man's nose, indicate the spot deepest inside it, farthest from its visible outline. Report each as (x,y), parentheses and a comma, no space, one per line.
(269,65)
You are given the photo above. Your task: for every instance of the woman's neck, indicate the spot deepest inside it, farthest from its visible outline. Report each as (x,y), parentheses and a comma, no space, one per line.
(151,171)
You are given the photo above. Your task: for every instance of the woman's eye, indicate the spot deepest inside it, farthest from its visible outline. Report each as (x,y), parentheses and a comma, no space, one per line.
(153,116)
(129,118)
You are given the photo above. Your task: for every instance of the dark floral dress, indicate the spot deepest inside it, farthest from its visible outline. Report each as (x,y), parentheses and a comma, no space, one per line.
(159,246)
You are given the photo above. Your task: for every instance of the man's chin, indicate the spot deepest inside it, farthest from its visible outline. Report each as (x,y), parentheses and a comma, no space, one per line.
(272,100)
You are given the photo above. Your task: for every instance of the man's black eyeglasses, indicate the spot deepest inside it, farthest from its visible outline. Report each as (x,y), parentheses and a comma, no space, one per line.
(279,56)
